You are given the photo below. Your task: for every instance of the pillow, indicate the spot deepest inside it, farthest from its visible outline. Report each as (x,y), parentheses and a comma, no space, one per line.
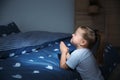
(8,29)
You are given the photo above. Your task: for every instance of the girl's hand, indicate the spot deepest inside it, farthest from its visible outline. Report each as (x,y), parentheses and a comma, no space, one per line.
(63,48)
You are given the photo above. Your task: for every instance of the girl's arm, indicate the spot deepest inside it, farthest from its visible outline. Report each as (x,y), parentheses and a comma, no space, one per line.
(64,55)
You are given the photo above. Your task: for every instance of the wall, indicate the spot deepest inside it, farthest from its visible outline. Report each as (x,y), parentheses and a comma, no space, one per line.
(82,16)
(108,20)
(81,13)
(50,15)
(112,21)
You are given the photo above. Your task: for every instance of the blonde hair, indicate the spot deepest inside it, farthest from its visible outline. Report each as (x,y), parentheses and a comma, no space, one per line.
(89,35)
(92,36)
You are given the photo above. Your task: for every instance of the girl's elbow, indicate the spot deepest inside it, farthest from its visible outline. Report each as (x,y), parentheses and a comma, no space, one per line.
(63,66)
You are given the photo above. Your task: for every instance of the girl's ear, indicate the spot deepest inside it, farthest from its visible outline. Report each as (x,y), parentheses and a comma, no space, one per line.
(83,42)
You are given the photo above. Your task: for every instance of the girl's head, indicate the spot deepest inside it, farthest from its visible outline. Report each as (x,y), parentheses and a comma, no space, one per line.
(83,37)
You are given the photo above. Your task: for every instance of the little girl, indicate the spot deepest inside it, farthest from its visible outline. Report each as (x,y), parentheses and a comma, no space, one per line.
(82,58)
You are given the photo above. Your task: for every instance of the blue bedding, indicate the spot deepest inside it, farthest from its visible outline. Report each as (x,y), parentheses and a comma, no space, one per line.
(38,60)
(35,55)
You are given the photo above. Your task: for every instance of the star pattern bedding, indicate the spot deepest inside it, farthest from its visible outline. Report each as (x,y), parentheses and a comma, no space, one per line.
(35,55)
(38,60)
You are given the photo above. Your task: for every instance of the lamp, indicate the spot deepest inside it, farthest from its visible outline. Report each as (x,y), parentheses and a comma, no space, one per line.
(94,7)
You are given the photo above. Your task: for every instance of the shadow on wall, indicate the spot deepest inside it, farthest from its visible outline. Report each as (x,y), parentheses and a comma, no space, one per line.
(2,2)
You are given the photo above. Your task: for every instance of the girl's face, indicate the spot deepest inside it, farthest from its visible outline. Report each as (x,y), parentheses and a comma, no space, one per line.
(77,38)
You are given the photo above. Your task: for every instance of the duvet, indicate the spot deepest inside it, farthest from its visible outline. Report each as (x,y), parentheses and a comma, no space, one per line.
(34,55)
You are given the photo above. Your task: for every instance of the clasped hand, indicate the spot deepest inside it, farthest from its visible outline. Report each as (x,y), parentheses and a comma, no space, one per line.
(63,48)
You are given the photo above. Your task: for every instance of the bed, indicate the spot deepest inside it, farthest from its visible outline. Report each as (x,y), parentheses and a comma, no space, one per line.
(35,55)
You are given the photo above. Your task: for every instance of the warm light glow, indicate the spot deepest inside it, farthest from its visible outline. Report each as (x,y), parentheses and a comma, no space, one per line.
(93,9)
